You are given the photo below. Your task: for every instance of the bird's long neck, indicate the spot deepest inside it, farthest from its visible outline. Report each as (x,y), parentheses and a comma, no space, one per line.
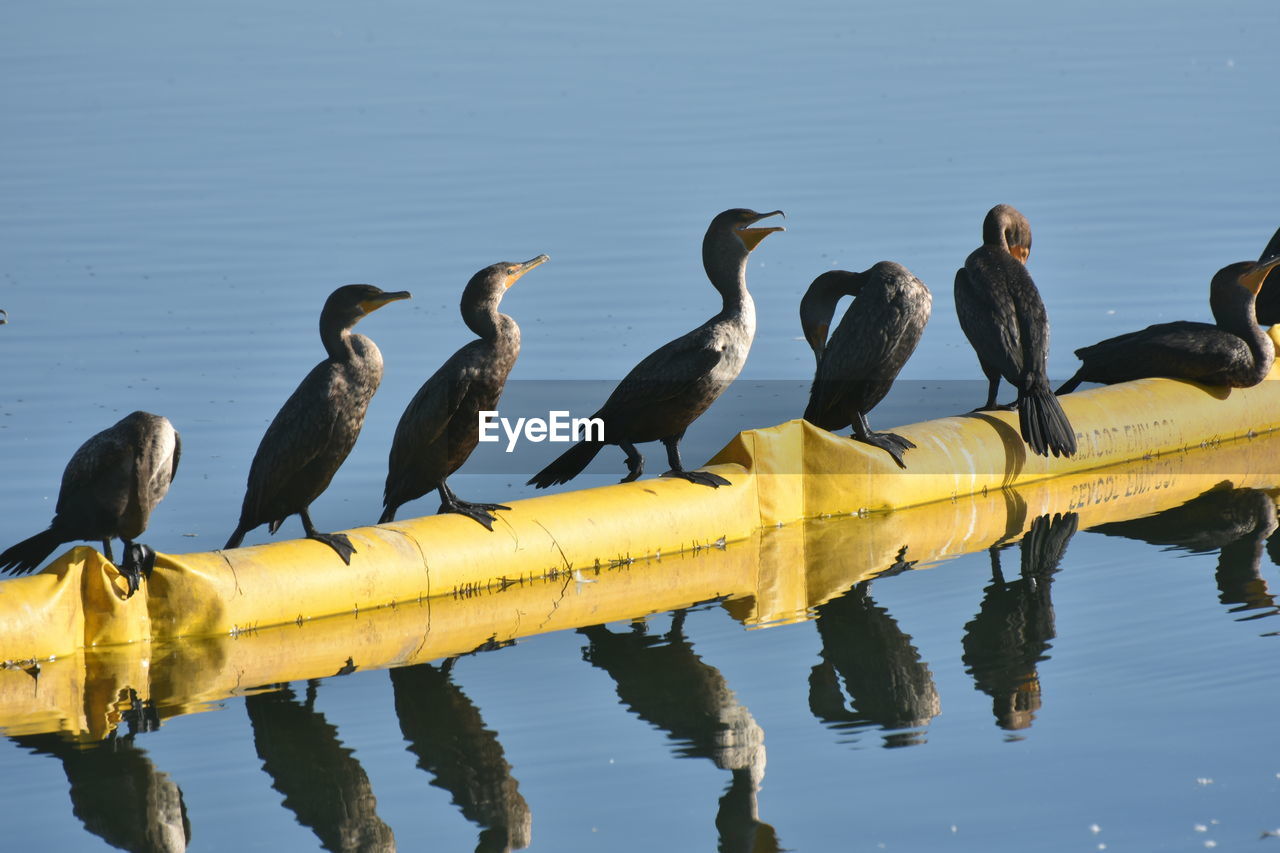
(335,334)
(727,271)
(1234,312)
(483,318)
(818,305)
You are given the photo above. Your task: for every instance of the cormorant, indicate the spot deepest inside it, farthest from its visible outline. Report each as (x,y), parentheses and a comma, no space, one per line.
(664,682)
(1236,352)
(1015,624)
(1003,317)
(676,383)
(109,489)
(818,306)
(322,781)
(1268,302)
(115,788)
(871,674)
(440,427)
(318,425)
(445,731)
(876,336)
(1235,522)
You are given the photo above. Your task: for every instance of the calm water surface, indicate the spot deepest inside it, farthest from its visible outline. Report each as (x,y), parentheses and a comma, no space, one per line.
(183,186)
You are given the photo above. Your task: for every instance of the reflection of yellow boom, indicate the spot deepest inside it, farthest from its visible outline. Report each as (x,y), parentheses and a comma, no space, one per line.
(780,475)
(772,575)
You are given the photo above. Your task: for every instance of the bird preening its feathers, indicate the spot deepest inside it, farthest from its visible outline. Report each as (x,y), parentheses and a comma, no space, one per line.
(1003,317)
(109,490)
(857,366)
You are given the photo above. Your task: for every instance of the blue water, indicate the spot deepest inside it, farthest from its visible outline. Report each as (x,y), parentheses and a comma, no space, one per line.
(183,186)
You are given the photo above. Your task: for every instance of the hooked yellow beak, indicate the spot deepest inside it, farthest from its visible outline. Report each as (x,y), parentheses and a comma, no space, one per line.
(1020,252)
(1257,274)
(523,268)
(751,237)
(376,302)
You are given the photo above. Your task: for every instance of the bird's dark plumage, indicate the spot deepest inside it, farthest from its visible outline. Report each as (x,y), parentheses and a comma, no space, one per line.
(318,425)
(876,336)
(1003,317)
(440,427)
(109,490)
(676,383)
(1235,352)
(1268,302)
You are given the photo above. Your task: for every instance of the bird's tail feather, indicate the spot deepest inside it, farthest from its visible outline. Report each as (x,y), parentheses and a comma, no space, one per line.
(567,465)
(1071,384)
(1044,425)
(28,554)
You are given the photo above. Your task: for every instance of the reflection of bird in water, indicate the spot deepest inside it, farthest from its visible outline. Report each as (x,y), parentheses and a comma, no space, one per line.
(1268,301)
(109,489)
(676,383)
(887,683)
(444,729)
(1236,352)
(1234,522)
(322,782)
(876,336)
(318,425)
(1003,317)
(1015,623)
(665,683)
(440,428)
(118,793)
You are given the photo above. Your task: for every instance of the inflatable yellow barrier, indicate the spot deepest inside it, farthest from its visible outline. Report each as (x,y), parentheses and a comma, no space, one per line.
(771,576)
(779,475)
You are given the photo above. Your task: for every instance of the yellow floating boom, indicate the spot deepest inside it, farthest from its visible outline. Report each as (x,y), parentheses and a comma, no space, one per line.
(779,475)
(774,575)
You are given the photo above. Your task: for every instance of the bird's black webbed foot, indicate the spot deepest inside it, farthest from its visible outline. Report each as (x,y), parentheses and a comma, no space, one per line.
(337,541)
(891,443)
(702,478)
(478,513)
(997,407)
(139,560)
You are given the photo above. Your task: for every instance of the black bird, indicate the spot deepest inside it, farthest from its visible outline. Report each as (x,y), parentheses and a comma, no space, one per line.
(676,383)
(1235,522)
(876,336)
(322,781)
(115,788)
(870,674)
(1003,317)
(1015,624)
(109,489)
(444,729)
(1268,303)
(1236,352)
(664,682)
(440,427)
(318,425)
